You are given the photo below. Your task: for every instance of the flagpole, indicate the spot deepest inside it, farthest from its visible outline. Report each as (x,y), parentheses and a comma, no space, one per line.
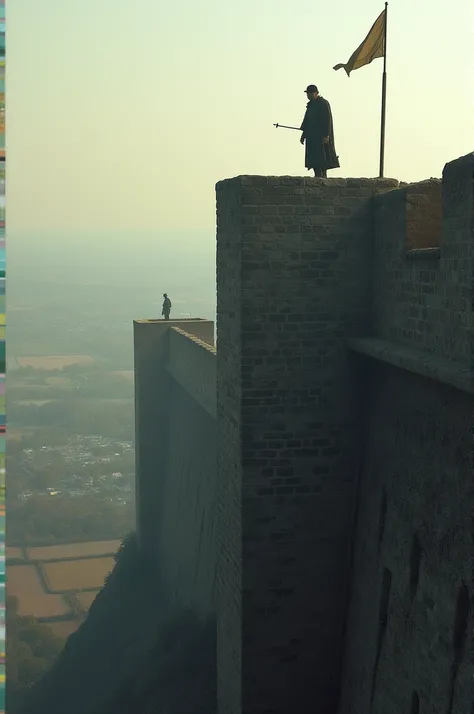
(384,97)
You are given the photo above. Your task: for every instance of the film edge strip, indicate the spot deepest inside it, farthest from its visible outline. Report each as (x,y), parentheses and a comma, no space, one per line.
(2,355)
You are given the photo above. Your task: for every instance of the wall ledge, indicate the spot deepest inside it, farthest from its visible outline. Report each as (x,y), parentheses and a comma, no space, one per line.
(423,254)
(413,360)
(187,357)
(196,340)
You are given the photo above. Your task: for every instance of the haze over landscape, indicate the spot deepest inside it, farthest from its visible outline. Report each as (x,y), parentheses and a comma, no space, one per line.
(121,119)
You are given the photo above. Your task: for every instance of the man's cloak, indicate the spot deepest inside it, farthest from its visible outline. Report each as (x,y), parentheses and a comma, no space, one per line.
(317,124)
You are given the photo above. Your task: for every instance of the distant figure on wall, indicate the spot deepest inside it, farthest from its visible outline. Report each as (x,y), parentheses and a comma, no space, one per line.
(166,307)
(318,133)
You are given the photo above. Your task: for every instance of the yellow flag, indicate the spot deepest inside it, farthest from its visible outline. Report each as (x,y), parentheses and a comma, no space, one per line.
(372,47)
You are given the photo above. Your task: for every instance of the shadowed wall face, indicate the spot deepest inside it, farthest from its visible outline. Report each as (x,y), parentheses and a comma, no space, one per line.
(229,482)
(186,531)
(410,621)
(293,284)
(176,456)
(414,525)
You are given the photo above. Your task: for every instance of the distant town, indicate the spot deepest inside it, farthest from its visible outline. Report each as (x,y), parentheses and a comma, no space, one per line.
(109,478)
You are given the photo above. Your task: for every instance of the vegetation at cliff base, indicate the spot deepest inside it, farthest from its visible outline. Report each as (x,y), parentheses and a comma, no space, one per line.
(46,521)
(31,648)
(134,653)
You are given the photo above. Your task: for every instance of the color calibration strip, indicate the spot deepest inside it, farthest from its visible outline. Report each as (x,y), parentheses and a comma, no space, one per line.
(2,356)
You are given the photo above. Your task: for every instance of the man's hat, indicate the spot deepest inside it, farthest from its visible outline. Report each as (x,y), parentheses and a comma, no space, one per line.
(311,89)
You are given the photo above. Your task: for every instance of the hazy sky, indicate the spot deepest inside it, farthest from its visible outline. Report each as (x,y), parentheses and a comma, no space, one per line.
(122,116)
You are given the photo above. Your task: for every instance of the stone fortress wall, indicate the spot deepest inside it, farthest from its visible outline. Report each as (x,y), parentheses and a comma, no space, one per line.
(175,415)
(408,635)
(311,485)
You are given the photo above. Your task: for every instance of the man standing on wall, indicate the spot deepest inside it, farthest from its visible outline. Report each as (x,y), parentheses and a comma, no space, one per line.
(318,133)
(166,307)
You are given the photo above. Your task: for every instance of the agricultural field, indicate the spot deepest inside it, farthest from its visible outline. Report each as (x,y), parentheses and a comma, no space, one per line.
(24,583)
(84,574)
(18,434)
(86,599)
(63,628)
(12,363)
(77,570)
(33,402)
(127,373)
(22,308)
(42,391)
(54,362)
(117,401)
(15,553)
(73,550)
(58,381)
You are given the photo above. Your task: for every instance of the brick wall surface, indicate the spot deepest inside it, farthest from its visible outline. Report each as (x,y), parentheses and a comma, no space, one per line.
(229,485)
(414,527)
(424,214)
(426,302)
(293,284)
(457,259)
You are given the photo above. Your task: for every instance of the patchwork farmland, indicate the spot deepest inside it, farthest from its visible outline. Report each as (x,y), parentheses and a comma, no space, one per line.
(57,584)
(25,582)
(71,550)
(127,373)
(76,575)
(54,362)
